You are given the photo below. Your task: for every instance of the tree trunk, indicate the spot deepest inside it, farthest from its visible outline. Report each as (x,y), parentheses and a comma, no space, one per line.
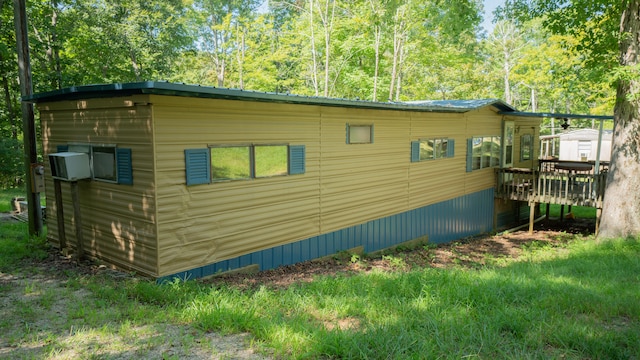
(621,208)
(507,74)
(399,71)
(240,56)
(8,100)
(314,70)
(55,52)
(134,64)
(327,22)
(377,34)
(398,29)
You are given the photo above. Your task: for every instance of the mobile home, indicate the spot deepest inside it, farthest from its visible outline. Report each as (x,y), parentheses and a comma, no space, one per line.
(582,145)
(190,181)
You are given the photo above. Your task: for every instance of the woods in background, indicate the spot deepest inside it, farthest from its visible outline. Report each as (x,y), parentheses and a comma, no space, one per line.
(380,50)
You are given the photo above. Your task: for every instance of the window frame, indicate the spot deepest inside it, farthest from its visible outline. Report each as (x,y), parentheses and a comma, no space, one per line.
(89,149)
(441,148)
(252,161)
(349,133)
(491,158)
(523,146)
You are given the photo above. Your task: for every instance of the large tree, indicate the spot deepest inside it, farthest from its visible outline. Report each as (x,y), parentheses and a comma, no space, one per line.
(604,28)
(621,210)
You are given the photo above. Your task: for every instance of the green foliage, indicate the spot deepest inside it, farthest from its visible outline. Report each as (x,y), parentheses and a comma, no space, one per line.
(16,246)
(12,168)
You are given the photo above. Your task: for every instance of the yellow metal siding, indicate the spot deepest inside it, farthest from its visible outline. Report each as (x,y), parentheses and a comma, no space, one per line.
(344,184)
(362,182)
(526,126)
(118,221)
(437,180)
(206,223)
(160,226)
(481,122)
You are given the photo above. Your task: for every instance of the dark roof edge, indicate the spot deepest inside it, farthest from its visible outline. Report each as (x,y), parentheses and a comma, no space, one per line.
(174,89)
(557,115)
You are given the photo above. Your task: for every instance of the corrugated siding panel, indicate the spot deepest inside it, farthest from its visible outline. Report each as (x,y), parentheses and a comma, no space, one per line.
(437,180)
(211,222)
(361,182)
(482,122)
(442,222)
(527,126)
(357,184)
(119,221)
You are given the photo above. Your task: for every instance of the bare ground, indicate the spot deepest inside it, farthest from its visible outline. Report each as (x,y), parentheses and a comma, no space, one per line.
(473,252)
(19,292)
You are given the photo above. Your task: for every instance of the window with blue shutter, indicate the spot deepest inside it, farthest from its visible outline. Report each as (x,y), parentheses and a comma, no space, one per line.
(415,151)
(123,166)
(197,166)
(432,149)
(296,159)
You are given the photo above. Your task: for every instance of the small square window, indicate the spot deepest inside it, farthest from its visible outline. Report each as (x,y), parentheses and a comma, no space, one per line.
(359,134)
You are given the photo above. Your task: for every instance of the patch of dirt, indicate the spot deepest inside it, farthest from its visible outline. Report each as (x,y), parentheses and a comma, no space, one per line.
(472,252)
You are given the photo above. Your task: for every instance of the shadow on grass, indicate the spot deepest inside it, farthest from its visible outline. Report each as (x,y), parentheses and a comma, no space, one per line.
(575,302)
(582,304)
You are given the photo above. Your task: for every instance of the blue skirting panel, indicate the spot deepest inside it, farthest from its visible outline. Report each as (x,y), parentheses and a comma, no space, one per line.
(442,222)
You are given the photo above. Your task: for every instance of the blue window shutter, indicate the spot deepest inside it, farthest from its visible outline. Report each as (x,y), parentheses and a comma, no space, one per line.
(197,165)
(469,155)
(62,148)
(123,166)
(296,159)
(415,151)
(372,133)
(347,130)
(451,145)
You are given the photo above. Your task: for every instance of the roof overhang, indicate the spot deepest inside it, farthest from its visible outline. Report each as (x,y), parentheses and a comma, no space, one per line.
(172,89)
(556,115)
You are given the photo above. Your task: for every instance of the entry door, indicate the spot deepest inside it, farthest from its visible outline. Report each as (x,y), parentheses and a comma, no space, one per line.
(507,149)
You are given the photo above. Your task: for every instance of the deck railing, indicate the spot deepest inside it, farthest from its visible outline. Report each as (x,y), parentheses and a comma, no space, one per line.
(557,186)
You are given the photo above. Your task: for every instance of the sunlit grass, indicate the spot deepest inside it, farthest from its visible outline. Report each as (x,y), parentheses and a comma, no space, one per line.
(576,300)
(580,212)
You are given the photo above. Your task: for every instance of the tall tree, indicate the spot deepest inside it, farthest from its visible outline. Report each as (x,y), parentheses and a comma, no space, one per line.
(621,209)
(604,27)
(509,44)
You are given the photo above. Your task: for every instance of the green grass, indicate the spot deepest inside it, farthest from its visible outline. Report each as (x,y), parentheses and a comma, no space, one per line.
(6,195)
(579,212)
(576,301)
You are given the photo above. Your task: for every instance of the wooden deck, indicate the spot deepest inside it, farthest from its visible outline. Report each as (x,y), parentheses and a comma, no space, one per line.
(554,182)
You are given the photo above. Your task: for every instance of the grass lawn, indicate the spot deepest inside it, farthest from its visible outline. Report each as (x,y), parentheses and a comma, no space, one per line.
(580,212)
(572,299)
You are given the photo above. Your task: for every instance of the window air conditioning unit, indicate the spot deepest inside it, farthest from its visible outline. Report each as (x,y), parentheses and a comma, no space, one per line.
(70,166)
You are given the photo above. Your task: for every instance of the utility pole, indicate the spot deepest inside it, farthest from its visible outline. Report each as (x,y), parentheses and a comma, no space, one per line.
(28,123)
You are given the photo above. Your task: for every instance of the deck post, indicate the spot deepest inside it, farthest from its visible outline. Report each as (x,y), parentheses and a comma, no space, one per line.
(546,216)
(532,216)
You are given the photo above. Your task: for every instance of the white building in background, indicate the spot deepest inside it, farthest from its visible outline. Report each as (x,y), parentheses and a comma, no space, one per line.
(582,145)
